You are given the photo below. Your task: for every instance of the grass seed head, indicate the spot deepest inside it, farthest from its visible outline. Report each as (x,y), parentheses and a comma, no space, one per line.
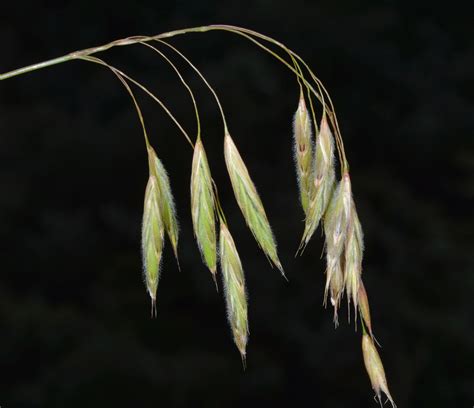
(152,239)
(374,367)
(303,151)
(249,201)
(203,208)
(165,199)
(234,289)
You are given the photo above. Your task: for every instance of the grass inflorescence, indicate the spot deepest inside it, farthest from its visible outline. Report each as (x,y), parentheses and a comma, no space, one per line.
(324,193)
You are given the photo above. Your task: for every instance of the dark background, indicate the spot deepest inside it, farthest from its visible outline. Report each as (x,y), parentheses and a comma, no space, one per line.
(74,316)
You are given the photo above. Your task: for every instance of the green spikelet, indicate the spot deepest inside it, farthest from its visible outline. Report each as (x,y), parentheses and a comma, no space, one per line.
(234,286)
(249,201)
(165,199)
(152,240)
(303,152)
(202,208)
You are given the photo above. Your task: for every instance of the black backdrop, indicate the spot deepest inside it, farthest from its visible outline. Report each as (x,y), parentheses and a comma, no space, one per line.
(74,315)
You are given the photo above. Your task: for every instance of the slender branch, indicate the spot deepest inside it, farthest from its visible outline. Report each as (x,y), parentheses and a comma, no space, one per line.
(135,102)
(201,76)
(249,34)
(196,111)
(153,96)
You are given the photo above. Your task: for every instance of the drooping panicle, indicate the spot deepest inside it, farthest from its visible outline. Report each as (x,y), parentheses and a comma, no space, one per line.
(165,199)
(203,208)
(303,152)
(234,289)
(323,177)
(152,239)
(249,201)
(375,370)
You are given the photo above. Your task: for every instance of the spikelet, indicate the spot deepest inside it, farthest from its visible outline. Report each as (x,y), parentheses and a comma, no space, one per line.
(249,201)
(364,309)
(152,240)
(336,223)
(234,285)
(354,248)
(202,208)
(303,151)
(337,219)
(374,367)
(166,200)
(323,180)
